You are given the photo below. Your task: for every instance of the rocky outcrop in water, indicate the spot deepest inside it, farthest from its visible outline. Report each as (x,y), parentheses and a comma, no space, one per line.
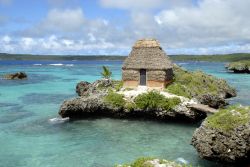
(239,67)
(18,75)
(85,88)
(189,87)
(91,103)
(214,101)
(224,137)
(207,89)
(94,106)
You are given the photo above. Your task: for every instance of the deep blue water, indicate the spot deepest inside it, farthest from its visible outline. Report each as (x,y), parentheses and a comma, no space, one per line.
(29,139)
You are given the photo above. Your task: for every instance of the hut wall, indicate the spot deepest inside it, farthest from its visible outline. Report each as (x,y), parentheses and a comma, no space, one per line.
(156,84)
(156,75)
(130,75)
(130,84)
(159,78)
(130,78)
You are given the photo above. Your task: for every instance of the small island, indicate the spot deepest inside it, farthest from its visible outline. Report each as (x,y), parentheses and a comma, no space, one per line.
(225,136)
(239,66)
(151,87)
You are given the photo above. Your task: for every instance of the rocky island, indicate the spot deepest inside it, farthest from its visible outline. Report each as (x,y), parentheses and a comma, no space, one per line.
(225,136)
(151,87)
(14,76)
(239,66)
(109,98)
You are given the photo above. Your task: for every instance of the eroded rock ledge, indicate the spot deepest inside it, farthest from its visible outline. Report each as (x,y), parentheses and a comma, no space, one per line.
(239,66)
(225,136)
(92,103)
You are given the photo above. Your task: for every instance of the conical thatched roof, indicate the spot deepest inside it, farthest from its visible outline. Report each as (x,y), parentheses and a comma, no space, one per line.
(147,54)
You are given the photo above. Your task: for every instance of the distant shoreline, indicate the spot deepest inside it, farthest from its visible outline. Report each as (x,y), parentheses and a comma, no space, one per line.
(209,58)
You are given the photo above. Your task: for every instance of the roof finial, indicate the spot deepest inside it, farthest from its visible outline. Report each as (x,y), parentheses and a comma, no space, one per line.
(146,43)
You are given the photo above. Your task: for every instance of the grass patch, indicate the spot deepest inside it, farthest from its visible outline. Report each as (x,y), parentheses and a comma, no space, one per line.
(230,118)
(195,84)
(154,100)
(114,99)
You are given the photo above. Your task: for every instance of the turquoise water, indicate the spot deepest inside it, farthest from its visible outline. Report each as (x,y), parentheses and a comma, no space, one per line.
(29,139)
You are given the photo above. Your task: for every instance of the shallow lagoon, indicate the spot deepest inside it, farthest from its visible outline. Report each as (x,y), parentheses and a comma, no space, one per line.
(28,138)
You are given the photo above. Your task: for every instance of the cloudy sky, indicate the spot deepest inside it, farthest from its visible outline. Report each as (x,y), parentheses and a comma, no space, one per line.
(112,26)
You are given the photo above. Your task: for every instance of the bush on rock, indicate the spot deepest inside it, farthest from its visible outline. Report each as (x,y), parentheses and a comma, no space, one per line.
(154,100)
(114,99)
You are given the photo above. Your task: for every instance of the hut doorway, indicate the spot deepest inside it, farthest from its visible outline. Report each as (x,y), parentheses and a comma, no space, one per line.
(143,77)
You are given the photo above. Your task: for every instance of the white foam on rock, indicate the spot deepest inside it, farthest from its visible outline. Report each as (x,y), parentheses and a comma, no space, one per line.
(58,120)
(182,160)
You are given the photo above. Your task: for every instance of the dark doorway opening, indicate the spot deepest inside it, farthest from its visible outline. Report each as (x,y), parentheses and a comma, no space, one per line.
(143,77)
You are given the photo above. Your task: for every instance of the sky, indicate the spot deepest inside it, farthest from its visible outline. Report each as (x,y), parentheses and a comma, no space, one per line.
(111,27)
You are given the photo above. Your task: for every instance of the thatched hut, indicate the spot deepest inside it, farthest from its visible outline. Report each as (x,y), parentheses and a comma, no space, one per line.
(147,65)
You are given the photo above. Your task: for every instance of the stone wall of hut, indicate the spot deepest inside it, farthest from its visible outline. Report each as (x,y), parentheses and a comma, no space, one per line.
(130,75)
(130,78)
(160,75)
(155,78)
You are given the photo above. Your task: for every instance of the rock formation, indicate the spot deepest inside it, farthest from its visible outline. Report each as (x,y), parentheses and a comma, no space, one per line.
(211,92)
(18,75)
(225,136)
(239,67)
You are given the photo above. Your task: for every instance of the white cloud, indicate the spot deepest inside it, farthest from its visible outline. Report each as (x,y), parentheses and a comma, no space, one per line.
(65,20)
(211,22)
(6,39)
(6,45)
(52,45)
(129,4)
(208,26)
(142,4)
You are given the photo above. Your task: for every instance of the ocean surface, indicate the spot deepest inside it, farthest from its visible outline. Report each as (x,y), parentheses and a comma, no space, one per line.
(28,138)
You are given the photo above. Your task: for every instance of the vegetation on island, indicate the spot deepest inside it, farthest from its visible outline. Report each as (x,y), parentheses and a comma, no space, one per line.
(145,162)
(152,100)
(211,58)
(155,100)
(229,118)
(195,84)
(239,66)
(114,99)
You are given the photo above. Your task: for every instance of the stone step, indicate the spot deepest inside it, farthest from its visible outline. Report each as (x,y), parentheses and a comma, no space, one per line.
(203,108)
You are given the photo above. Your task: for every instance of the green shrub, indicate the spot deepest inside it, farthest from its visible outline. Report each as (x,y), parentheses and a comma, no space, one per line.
(117,85)
(154,100)
(230,118)
(114,99)
(140,161)
(130,106)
